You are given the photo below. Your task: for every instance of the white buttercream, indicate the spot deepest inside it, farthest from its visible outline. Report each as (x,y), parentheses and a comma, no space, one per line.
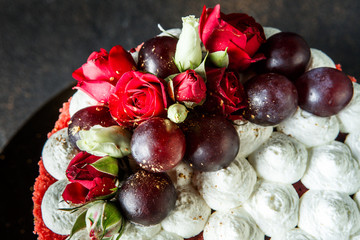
(355,236)
(350,115)
(294,234)
(281,159)
(251,136)
(181,174)
(190,214)
(227,188)
(57,154)
(80,235)
(319,59)
(233,224)
(133,231)
(309,129)
(79,101)
(353,142)
(356,198)
(58,221)
(328,215)
(274,207)
(269,31)
(164,235)
(332,167)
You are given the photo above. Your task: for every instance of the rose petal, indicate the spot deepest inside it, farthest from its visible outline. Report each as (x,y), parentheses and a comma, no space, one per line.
(120,60)
(137,97)
(99,90)
(75,193)
(102,187)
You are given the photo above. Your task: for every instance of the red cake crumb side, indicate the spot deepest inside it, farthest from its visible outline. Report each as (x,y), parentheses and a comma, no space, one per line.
(300,188)
(63,120)
(197,237)
(353,79)
(43,182)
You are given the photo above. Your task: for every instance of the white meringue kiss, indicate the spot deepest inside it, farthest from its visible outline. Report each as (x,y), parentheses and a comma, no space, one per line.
(350,115)
(332,167)
(227,188)
(319,59)
(58,221)
(233,224)
(309,129)
(190,214)
(328,215)
(57,154)
(280,159)
(274,207)
(251,136)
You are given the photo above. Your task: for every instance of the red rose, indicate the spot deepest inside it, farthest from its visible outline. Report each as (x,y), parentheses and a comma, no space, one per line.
(189,87)
(226,94)
(138,96)
(238,32)
(99,75)
(86,182)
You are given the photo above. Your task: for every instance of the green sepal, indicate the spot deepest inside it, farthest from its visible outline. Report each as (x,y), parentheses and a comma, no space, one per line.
(201,68)
(220,58)
(107,165)
(79,224)
(170,85)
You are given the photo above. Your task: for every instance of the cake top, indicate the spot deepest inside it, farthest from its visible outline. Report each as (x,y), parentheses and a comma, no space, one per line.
(216,116)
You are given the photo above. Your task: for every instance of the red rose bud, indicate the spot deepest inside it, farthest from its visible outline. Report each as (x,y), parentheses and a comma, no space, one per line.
(98,76)
(138,96)
(189,87)
(226,94)
(89,180)
(238,32)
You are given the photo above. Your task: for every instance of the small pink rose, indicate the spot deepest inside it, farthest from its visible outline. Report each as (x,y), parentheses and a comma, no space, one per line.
(189,87)
(99,75)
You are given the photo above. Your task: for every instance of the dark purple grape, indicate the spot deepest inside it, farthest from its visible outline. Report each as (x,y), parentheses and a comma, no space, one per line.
(211,143)
(324,91)
(85,118)
(156,56)
(287,54)
(147,198)
(158,145)
(271,99)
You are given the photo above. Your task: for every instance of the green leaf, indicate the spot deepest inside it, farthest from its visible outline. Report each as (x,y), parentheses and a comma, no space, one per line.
(79,224)
(107,165)
(201,68)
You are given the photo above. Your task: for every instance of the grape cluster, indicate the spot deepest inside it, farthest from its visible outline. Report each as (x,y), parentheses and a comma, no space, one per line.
(283,83)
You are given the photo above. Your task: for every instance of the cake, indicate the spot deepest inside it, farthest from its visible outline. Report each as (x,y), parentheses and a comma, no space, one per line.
(222,129)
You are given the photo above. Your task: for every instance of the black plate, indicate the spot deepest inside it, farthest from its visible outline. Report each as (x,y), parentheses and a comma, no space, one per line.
(19,168)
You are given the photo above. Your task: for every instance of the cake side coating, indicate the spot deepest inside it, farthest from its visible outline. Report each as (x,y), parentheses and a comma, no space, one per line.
(44,180)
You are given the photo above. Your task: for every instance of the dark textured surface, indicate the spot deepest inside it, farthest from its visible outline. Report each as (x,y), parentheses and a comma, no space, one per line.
(43,41)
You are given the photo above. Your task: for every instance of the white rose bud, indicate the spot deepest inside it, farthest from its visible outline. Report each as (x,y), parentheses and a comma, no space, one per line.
(188,53)
(101,141)
(177,113)
(104,220)
(220,58)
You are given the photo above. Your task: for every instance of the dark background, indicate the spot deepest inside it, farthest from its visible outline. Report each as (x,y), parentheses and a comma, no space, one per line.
(43,41)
